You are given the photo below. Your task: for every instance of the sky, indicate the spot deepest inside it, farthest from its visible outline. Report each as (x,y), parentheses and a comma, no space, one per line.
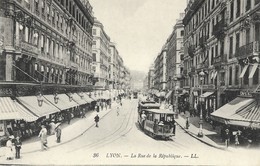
(139,28)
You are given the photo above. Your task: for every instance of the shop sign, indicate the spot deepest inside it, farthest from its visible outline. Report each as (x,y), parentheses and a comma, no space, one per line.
(2,131)
(245,93)
(29,47)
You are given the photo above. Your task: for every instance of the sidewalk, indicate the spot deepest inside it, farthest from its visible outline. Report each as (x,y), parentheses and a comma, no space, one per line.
(208,134)
(70,132)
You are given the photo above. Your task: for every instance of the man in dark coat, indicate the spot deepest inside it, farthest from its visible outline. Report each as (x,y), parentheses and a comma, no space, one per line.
(18,145)
(58,133)
(96,120)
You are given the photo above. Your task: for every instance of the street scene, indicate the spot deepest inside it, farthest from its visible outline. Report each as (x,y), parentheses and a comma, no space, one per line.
(129,82)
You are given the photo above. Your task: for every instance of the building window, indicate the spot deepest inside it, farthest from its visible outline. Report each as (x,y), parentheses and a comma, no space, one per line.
(36,5)
(94,32)
(231,47)
(182,32)
(212,56)
(94,57)
(230,76)
(248,5)
(237,41)
(247,36)
(43,6)
(245,78)
(237,75)
(256,77)
(42,43)
(238,8)
(231,11)
(94,44)
(257,32)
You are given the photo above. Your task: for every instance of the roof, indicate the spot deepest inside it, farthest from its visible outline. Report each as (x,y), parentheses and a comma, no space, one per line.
(159,111)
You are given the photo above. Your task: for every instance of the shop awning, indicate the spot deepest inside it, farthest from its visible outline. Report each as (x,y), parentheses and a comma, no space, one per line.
(31,103)
(255,66)
(78,99)
(11,109)
(206,94)
(63,101)
(168,94)
(8,109)
(25,114)
(86,98)
(241,111)
(243,71)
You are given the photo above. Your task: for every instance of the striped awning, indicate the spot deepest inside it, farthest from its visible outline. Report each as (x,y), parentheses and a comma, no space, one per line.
(31,103)
(25,114)
(63,101)
(8,109)
(12,110)
(241,112)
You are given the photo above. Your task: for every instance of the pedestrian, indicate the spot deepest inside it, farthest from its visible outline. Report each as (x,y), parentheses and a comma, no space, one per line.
(9,148)
(117,110)
(96,120)
(68,117)
(227,137)
(43,136)
(187,123)
(236,140)
(143,117)
(58,133)
(18,146)
(83,115)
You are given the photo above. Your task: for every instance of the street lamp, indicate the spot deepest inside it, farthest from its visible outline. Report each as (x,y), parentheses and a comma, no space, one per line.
(40,99)
(56,98)
(201,75)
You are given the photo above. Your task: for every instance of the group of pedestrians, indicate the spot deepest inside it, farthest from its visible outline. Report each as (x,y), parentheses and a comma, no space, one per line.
(13,147)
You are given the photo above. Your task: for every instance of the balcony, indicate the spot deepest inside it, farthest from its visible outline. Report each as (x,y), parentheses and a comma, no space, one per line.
(247,50)
(185,72)
(202,66)
(202,42)
(191,50)
(219,29)
(209,86)
(220,60)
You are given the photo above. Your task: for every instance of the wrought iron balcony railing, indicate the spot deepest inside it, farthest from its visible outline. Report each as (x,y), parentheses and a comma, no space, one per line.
(247,50)
(191,50)
(220,60)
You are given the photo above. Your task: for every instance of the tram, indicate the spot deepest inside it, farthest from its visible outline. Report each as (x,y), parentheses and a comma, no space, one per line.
(157,123)
(147,104)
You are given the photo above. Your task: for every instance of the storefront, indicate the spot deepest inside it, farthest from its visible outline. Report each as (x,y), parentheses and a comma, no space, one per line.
(15,119)
(208,100)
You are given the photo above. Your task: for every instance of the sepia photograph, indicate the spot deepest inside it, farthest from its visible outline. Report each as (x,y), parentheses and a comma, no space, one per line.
(130,82)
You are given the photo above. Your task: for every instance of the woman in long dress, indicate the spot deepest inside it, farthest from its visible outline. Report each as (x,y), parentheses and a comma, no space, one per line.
(9,148)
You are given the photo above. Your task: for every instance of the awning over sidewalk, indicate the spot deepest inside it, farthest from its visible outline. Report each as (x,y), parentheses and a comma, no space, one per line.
(31,103)
(8,109)
(241,112)
(168,94)
(63,101)
(80,100)
(87,98)
(25,114)
(206,94)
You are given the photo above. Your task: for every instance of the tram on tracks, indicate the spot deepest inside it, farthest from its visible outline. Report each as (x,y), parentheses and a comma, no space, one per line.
(155,122)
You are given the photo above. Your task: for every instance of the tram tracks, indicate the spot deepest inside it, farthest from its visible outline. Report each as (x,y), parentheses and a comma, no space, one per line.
(122,130)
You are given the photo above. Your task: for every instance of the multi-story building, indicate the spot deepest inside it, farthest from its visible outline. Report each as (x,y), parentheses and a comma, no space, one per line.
(48,41)
(160,71)
(113,65)
(201,21)
(221,60)
(151,77)
(101,55)
(45,56)
(174,66)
